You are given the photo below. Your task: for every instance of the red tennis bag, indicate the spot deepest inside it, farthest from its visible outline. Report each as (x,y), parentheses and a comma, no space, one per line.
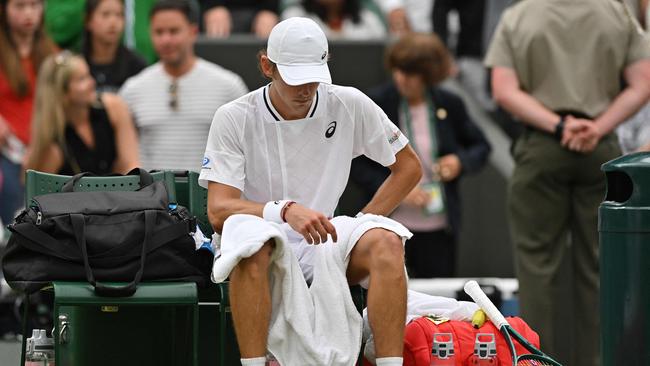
(418,342)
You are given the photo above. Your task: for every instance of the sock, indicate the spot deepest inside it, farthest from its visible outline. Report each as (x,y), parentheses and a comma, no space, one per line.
(389,361)
(257,361)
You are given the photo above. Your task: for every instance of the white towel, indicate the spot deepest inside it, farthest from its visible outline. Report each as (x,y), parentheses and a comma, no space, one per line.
(317,325)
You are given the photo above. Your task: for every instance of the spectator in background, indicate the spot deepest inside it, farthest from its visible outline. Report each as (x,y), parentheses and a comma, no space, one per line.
(74,130)
(340,19)
(556,66)
(447,142)
(173,101)
(407,15)
(110,62)
(23,46)
(466,44)
(223,17)
(634,134)
(64,23)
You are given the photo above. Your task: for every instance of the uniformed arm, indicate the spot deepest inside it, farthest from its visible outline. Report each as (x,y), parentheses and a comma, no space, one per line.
(225,200)
(509,95)
(405,173)
(630,100)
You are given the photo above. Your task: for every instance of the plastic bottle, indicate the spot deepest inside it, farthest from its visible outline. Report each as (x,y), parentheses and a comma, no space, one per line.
(40,349)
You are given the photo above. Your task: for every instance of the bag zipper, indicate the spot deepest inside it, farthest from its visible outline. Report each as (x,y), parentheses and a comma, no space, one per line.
(37,207)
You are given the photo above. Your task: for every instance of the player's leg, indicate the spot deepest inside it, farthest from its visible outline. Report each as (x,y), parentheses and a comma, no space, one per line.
(379,253)
(250,301)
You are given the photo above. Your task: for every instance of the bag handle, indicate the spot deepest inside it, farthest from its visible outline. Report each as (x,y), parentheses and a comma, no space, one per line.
(145,179)
(79,225)
(70,185)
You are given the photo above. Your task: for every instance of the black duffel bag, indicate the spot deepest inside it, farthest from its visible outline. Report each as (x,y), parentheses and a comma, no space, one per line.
(108,236)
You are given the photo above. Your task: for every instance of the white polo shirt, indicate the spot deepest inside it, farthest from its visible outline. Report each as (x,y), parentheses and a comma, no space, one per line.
(250,147)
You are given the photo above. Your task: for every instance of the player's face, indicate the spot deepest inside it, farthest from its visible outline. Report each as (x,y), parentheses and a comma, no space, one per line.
(173,37)
(292,101)
(410,86)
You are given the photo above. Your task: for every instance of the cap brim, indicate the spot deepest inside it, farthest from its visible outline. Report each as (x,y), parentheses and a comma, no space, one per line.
(303,74)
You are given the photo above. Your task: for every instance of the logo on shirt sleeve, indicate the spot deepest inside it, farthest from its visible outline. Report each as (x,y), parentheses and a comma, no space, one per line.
(206,162)
(394,137)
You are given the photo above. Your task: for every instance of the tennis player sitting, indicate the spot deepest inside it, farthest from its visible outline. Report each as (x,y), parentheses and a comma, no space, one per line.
(276,163)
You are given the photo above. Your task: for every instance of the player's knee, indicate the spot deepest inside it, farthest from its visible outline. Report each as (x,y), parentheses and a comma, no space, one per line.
(255,266)
(387,251)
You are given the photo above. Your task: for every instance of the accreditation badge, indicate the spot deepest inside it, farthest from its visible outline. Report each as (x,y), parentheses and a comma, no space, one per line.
(436,203)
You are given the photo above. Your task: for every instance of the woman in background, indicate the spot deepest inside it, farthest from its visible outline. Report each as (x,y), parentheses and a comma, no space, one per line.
(75,130)
(23,46)
(110,62)
(446,140)
(340,19)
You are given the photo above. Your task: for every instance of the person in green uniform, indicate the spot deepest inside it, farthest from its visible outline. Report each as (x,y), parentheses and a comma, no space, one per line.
(556,66)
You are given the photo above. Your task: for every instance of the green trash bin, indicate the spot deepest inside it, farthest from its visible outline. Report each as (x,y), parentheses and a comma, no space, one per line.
(624,226)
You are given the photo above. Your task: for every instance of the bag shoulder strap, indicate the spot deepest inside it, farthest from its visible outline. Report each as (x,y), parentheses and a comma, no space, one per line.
(41,242)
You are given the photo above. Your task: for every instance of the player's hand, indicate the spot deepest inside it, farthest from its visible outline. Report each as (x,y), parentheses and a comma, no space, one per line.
(448,167)
(418,197)
(218,22)
(313,225)
(264,22)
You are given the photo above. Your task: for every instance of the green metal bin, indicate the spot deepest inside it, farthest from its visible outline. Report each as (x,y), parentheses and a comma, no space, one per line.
(624,227)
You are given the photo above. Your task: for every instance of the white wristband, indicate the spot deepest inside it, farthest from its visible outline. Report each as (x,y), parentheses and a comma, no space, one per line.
(273,211)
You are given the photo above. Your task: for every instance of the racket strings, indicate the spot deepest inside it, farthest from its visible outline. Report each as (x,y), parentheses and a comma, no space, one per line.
(528,362)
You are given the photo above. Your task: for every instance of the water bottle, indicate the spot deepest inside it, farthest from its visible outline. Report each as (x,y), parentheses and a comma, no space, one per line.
(485,351)
(40,349)
(442,350)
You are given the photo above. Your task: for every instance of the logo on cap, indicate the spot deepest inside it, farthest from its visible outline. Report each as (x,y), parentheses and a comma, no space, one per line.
(324,55)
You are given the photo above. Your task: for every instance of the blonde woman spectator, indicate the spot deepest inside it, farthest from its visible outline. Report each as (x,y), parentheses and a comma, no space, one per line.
(340,19)
(74,129)
(23,46)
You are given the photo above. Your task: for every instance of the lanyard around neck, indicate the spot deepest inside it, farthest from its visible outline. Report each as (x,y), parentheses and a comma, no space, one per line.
(408,121)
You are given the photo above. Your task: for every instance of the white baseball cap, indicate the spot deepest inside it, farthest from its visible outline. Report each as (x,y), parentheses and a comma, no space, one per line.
(299,48)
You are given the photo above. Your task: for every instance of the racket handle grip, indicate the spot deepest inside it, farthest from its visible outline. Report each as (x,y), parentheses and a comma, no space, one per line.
(480,298)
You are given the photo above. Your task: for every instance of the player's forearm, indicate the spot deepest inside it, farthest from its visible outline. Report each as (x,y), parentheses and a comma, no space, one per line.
(219,210)
(405,174)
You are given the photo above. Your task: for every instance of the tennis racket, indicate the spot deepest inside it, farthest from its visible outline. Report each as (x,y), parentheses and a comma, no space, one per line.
(535,358)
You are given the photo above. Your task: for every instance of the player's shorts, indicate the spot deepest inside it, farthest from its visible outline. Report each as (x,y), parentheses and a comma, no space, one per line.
(349,230)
